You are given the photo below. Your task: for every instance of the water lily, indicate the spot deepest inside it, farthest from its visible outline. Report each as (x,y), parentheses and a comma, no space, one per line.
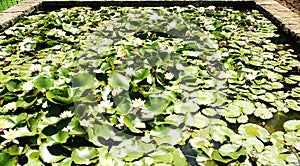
(138,103)
(3,124)
(110,28)
(84,123)
(98,71)
(45,104)
(11,135)
(11,106)
(121,53)
(121,122)
(171,25)
(68,128)
(137,42)
(106,104)
(271,76)
(60,33)
(129,71)
(27,86)
(201,9)
(158,70)
(28,40)
(149,79)
(36,67)
(251,28)
(66,114)
(169,76)
(251,19)
(244,38)
(224,54)
(116,92)
(250,77)
(211,7)
(179,9)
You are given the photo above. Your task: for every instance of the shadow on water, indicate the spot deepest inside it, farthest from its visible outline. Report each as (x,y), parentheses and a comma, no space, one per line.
(189,153)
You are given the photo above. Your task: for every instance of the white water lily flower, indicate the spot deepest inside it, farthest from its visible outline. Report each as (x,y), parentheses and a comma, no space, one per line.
(121,53)
(11,106)
(201,9)
(178,9)
(149,79)
(116,92)
(158,70)
(129,71)
(28,40)
(106,104)
(25,45)
(60,33)
(11,135)
(225,54)
(121,122)
(244,38)
(169,76)
(171,25)
(156,17)
(250,77)
(27,86)
(138,103)
(66,114)
(84,123)
(3,124)
(271,76)
(45,104)
(211,7)
(191,53)
(68,128)
(36,67)
(137,42)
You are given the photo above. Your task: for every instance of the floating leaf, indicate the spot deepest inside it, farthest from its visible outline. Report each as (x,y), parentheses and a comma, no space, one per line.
(292,104)
(47,156)
(117,80)
(254,130)
(141,75)
(84,155)
(292,125)
(43,82)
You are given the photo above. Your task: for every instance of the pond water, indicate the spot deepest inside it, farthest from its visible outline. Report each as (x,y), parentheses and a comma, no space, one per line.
(148,86)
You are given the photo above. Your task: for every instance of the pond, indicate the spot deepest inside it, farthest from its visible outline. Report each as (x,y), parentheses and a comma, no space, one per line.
(186,85)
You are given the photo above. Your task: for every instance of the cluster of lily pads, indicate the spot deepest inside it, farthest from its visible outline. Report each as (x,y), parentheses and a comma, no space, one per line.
(148,86)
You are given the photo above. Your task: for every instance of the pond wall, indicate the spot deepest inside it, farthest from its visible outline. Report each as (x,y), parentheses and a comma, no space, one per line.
(287,21)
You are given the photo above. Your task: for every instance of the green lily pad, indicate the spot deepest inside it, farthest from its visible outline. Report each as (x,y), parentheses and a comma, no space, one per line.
(47,156)
(292,125)
(84,155)
(254,130)
(141,75)
(295,77)
(43,82)
(292,104)
(263,113)
(118,80)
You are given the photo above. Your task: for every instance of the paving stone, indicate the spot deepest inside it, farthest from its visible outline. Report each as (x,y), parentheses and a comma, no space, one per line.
(8,19)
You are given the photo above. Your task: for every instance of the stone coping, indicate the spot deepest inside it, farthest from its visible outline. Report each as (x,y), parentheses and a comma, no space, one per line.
(286,20)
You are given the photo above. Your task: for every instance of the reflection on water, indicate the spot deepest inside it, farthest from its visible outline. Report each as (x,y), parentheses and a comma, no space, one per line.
(275,123)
